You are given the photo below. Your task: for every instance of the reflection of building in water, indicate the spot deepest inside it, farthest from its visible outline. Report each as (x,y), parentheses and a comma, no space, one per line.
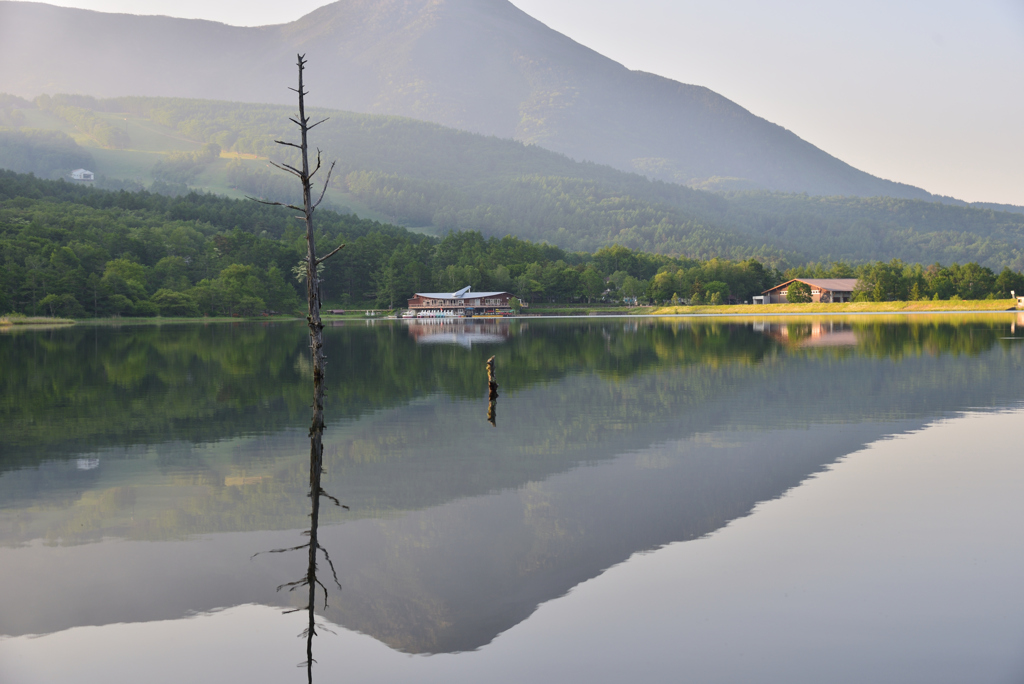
(464,332)
(811,333)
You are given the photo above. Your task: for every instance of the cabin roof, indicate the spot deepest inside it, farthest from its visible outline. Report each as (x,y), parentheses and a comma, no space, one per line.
(830,284)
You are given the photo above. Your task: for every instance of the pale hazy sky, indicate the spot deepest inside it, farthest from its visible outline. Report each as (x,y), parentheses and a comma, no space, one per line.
(926,92)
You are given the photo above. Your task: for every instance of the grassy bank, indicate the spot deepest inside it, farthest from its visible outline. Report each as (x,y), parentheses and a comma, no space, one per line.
(18,319)
(585,310)
(166,320)
(852,307)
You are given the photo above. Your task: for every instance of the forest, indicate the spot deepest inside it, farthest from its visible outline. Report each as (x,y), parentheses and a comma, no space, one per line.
(424,175)
(74,251)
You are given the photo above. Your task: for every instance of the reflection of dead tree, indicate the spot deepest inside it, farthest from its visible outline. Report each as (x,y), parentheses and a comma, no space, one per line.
(316,347)
(492,394)
(310,580)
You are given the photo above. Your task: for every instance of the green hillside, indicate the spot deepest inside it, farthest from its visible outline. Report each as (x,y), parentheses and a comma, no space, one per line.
(436,179)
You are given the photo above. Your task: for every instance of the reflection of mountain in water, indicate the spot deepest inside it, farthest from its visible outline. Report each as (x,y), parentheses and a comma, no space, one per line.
(463,332)
(480,566)
(462,529)
(473,561)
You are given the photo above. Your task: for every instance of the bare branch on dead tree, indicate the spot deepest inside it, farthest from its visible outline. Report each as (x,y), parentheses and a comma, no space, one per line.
(326,183)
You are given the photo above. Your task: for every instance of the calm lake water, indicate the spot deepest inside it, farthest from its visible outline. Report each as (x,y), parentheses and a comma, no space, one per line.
(700,500)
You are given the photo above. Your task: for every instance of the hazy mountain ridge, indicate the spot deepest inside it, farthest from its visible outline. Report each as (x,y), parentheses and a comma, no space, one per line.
(477,65)
(420,174)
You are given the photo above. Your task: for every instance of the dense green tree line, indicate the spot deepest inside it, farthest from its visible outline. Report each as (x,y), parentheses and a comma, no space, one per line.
(711,282)
(75,251)
(897,281)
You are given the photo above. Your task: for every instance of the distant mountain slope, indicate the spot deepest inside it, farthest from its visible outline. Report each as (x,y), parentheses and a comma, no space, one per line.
(440,179)
(478,65)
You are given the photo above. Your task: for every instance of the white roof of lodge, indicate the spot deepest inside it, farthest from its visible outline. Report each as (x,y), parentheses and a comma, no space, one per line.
(464,293)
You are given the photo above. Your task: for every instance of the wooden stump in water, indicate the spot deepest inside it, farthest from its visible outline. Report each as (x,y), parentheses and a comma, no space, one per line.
(492,394)
(492,385)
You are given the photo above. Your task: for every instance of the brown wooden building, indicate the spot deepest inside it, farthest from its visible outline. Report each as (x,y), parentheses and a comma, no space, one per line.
(465,302)
(828,290)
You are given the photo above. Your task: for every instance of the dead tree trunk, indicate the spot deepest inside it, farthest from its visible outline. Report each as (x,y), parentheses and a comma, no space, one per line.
(316,346)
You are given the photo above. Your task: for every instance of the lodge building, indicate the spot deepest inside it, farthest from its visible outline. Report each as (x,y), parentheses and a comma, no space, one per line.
(464,302)
(825,290)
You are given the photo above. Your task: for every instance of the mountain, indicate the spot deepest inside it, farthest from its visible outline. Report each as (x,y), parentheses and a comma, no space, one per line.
(478,65)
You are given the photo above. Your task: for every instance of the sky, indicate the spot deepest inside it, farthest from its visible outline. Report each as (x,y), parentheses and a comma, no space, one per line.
(925,92)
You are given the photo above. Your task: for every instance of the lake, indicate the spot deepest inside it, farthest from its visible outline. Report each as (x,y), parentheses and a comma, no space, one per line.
(699,499)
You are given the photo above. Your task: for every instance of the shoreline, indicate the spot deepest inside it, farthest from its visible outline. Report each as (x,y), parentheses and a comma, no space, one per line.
(910,307)
(985,306)
(18,321)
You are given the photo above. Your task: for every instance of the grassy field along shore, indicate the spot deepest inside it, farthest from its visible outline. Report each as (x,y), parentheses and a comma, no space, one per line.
(595,309)
(850,307)
(17,319)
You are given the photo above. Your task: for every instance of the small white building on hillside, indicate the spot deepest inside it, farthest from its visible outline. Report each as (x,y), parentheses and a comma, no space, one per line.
(83,175)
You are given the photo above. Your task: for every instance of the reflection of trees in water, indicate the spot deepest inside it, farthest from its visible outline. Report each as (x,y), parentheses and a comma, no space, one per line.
(889,339)
(69,390)
(82,388)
